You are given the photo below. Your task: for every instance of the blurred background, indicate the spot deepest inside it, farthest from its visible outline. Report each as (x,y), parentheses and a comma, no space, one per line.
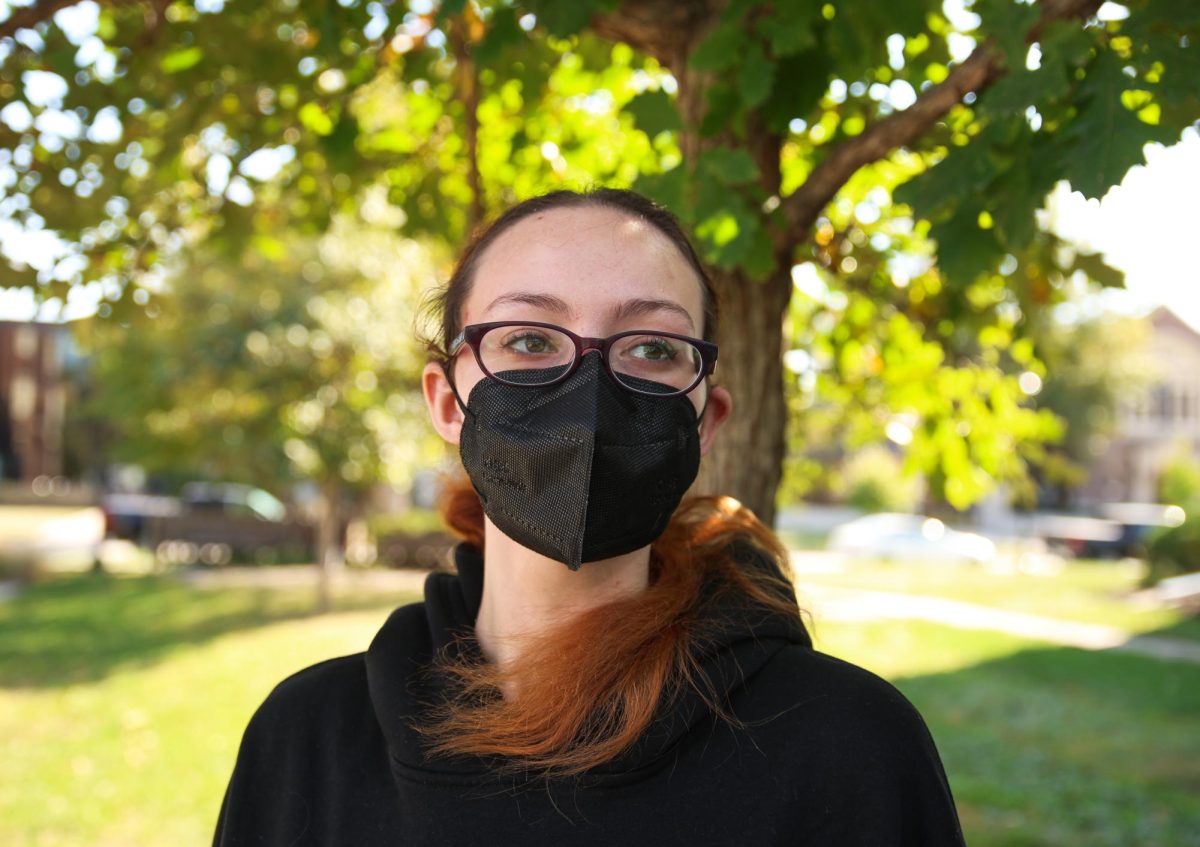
(954,244)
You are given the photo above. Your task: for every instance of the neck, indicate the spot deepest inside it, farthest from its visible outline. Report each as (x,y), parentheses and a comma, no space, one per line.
(525,593)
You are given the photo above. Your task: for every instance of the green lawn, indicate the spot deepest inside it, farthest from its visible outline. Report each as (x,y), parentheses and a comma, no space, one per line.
(1086,591)
(122,701)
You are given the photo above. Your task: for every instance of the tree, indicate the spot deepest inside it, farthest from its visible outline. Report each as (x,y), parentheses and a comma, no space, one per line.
(294,363)
(748,118)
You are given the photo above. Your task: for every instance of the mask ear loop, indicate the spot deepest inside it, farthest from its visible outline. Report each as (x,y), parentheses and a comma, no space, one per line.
(447,369)
(704,408)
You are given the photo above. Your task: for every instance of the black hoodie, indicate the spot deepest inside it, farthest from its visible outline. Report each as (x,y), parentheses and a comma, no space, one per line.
(826,753)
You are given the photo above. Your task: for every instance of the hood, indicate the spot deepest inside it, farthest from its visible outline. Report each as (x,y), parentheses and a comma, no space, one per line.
(739,641)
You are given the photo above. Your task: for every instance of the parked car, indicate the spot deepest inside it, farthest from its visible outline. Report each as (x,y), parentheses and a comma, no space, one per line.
(889,535)
(210,523)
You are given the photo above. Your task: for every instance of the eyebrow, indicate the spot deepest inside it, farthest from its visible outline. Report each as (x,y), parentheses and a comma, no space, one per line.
(548,302)
(636,307)
(644,306)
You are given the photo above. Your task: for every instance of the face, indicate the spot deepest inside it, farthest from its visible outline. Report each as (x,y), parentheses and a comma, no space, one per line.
(594,271)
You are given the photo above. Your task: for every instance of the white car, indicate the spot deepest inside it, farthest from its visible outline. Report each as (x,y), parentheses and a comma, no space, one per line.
(889,535)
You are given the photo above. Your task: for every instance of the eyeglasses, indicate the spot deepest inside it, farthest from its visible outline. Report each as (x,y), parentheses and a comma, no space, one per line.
(531,353)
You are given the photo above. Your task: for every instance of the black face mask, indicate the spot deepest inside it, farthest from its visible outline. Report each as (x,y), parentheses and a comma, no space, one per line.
(582,470)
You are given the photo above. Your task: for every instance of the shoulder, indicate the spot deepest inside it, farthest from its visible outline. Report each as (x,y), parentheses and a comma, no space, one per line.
(318,698)
(834,701)
(866,756)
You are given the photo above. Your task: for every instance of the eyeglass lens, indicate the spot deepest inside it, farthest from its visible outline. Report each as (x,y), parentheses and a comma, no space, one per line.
(648,363)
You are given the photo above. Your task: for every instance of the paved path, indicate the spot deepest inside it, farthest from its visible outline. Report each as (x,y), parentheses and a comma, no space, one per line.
(300,576)
(853,604)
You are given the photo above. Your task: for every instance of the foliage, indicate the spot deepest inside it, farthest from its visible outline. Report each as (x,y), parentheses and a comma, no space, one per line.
(873,480)
(1172,551)
(139,134)
(293,362)
(1179,482)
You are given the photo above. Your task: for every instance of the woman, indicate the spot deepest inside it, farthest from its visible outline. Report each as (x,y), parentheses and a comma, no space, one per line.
(610,664)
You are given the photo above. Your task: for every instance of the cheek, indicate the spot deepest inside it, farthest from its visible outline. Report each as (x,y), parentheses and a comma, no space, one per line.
(466,375)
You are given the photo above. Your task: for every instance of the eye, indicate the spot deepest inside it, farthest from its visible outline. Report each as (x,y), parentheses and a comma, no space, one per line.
(528,342)
(653,349)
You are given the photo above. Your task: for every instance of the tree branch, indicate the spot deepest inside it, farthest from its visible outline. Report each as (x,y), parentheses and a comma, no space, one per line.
(466,79)
(983,67)
(24,17)
(664,29)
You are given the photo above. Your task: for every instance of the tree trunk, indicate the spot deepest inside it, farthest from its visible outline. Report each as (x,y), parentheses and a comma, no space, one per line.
(328,544)
(746,461)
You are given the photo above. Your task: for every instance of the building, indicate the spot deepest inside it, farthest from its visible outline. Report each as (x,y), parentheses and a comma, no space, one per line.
(1154,425)
(32,399)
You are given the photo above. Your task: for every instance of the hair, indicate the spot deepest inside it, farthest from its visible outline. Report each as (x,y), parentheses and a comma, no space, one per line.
(586,688)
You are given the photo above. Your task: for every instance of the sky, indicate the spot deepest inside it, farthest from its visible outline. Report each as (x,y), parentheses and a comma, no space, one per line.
(1148,227)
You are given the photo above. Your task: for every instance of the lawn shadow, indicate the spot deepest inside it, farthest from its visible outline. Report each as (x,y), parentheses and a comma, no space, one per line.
(1064,747)
(82,628)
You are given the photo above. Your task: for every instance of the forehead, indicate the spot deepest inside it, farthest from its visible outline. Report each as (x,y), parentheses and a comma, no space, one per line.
(591,257)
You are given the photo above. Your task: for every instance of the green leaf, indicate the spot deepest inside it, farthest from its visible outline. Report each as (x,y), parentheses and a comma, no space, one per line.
(964,250)
(503,32)
(755,77)
(449,8)
(722,108)
(1098,270)
(1177,90)
(729,235)
(1008,23)
(654,112)
(731,166)
(1105,139)
(181,60)
(315,119)
(790,29)
(1026,171)
(934,192)
(667,188)
(1015,92)
(567,18)
(720,49)
(1067,44)
(800,81)
(760,257)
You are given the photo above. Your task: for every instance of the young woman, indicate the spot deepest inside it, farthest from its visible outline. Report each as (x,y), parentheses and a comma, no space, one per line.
(610,663)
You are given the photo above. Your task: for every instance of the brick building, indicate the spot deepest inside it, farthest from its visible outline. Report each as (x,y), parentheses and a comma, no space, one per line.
(32,399)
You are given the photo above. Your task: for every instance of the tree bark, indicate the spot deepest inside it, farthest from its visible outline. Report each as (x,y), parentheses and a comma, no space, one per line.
(746,459)
(467,82)
(328,543)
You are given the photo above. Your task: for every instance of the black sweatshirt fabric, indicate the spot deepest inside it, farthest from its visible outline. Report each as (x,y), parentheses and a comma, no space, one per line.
(826,753)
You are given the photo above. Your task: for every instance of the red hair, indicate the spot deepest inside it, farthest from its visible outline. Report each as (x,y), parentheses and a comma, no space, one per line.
(590,686)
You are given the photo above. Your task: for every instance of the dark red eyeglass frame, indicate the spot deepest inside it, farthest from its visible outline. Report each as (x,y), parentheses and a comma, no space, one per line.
(471,336)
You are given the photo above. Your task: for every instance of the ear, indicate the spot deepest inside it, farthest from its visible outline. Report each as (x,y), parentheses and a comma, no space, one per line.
(447,417)
(720,404)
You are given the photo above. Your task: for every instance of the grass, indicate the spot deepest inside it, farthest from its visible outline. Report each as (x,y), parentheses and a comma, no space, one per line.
(122,701)
(1047,746)
(1084,591)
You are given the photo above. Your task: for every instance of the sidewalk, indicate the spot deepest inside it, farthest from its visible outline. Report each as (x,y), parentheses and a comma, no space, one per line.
(835,603)
(303,576)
